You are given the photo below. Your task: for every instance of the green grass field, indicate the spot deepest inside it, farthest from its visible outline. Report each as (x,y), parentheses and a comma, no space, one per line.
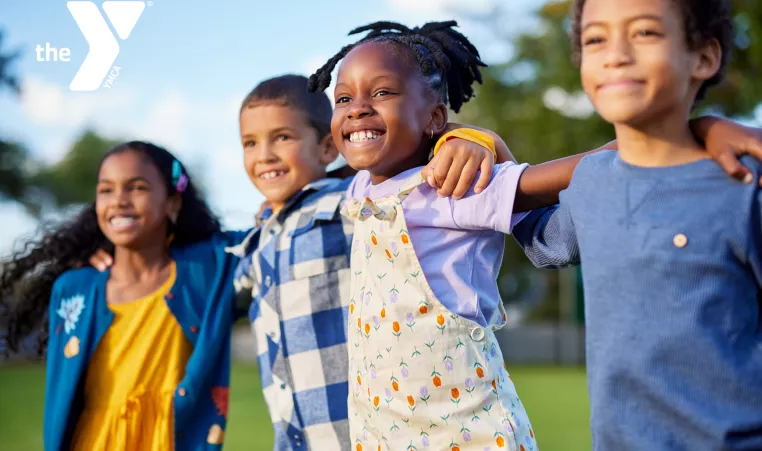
(556,399)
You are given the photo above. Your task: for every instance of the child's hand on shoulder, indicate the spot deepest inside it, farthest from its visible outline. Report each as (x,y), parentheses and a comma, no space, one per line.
(726,141)
(101,260)
(458,162)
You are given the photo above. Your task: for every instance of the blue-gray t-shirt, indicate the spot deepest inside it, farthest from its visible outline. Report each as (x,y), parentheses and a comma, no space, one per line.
(672,270)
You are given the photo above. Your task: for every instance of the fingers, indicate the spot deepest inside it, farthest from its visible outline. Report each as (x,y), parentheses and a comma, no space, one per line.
(97,264)
(753,147)
(485,176)
(442,168)
(452,176)
(466,178)
(730,163)
(101,260)
(428,172)
(455,167)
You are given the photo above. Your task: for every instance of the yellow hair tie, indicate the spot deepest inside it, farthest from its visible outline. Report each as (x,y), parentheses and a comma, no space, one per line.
(469,134)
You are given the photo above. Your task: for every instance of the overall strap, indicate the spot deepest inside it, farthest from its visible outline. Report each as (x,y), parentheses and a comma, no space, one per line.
(366,208)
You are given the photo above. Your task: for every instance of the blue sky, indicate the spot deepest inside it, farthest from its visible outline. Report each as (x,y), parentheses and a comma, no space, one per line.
(184,71)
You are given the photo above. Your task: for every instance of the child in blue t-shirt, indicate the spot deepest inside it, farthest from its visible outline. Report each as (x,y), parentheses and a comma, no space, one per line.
(671,247)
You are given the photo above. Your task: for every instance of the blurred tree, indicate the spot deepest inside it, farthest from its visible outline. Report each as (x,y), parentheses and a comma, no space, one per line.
(535,102)
(7,79)
(71,181)
(13,159)
(13,156)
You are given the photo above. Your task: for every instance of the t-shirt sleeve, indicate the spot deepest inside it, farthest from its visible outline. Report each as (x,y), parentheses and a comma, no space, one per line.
(492,209)
(548,238)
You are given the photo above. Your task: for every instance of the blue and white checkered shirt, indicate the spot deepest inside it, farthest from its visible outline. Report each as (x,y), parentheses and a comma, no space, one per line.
(296,264)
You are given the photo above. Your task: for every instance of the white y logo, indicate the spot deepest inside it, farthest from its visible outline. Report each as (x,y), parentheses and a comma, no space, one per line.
(104,48)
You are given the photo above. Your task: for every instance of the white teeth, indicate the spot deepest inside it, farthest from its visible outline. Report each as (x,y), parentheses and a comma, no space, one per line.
(271,175)
(121,222)
(363,135)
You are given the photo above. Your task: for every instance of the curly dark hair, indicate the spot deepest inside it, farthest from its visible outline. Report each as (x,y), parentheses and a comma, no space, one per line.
(703,21)
(446,59)
(29,275)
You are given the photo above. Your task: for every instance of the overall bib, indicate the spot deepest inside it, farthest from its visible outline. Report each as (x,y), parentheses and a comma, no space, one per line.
(420,376)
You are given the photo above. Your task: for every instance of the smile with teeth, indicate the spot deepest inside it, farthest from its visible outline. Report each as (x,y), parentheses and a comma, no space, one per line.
(269,175)
(364,135)
(122,222)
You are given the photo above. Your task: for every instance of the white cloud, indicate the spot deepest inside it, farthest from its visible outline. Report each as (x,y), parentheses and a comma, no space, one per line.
(166,121)
(576,104)
(46,103)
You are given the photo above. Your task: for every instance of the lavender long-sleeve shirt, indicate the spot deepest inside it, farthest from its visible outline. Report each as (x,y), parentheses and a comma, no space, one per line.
(459,243)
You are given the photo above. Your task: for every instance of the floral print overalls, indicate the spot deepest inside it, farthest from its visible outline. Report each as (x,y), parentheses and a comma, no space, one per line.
(420,376)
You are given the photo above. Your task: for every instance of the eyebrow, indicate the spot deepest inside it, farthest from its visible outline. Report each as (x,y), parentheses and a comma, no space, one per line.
(132,180)
(632,19)
(390,77)
(282,129)
(271,132)
(373,80)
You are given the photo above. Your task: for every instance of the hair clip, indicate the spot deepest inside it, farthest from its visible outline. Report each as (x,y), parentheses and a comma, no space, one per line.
(179,179)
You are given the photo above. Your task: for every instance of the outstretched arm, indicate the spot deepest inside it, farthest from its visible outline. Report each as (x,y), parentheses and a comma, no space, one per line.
(724,140)
(540,184)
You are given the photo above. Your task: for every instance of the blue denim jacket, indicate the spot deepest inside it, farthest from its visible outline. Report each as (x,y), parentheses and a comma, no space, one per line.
(201,300)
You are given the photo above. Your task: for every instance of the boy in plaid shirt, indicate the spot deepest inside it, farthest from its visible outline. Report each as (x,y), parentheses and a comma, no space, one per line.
(295,263)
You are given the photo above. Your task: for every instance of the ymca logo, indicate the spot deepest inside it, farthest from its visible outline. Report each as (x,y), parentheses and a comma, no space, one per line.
(104,48)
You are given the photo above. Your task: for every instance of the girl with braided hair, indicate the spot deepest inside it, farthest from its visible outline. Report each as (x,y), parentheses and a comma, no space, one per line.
(425,367)
(138,357)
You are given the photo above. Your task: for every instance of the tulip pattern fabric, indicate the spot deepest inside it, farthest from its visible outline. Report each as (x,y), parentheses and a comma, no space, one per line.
(420,377)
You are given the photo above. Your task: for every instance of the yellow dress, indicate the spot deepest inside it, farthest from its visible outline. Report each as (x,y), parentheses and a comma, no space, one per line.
(132,376)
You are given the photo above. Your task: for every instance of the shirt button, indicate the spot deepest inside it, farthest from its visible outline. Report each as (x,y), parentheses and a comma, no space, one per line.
(194,329)
(477,334)
(268,281)
(282,386)
(680,240)
(181,392)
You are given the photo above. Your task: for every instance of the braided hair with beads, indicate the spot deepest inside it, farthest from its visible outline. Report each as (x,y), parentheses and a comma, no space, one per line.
(446,59)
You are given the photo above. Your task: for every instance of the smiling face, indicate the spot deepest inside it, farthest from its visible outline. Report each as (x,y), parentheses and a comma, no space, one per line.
(384,111)
(282,151)
(635,61)
(131,201)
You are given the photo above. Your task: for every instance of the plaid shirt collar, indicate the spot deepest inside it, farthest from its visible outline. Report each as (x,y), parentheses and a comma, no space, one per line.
(320,212)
